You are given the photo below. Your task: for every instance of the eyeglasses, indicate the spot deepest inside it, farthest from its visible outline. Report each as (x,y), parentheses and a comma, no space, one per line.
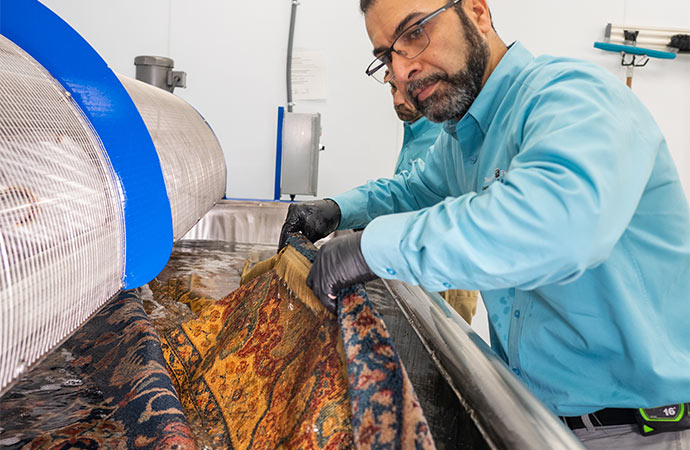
(409,44)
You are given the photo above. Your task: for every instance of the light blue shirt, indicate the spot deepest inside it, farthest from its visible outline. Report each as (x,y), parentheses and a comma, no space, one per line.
(557,197)
(418,137)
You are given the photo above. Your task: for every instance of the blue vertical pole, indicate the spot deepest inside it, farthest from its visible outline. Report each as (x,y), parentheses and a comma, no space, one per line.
(279,154)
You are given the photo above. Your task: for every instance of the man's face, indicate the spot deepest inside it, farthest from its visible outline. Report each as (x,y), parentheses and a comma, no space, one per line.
(443,81)
(403,108)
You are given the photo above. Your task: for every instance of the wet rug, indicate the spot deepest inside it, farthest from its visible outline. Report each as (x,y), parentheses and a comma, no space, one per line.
(259,369)
(263,367)
(269,367)
(105,387)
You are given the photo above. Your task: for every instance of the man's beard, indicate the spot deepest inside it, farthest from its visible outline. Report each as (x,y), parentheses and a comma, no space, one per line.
(453,98)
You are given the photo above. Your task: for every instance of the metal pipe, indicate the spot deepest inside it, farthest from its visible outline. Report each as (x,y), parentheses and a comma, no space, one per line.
(506,413)
(288,70)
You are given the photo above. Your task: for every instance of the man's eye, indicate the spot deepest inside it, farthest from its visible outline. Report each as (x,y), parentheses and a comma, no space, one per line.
(414,34)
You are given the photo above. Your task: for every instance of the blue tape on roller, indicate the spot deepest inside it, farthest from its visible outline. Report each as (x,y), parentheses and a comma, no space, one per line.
(105,102)
(629,49)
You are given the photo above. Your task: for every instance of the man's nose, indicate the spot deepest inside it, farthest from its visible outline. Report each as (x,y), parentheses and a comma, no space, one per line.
(404,69)
(398,99)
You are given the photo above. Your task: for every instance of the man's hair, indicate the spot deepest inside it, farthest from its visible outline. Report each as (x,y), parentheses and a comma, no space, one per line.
(364,5)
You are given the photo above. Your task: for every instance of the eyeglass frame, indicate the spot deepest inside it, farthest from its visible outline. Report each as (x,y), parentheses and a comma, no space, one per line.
(390,50)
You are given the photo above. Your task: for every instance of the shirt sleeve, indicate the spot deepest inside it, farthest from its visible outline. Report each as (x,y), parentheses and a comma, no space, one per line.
(407,191)
(584,158)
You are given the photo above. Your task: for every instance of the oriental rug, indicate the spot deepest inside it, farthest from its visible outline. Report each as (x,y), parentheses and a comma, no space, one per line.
(266,366)
(385,409)
(106,387)
(258,370)
(269,367)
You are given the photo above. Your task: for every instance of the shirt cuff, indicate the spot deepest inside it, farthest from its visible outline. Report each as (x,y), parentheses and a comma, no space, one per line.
(353,209)
(381,247)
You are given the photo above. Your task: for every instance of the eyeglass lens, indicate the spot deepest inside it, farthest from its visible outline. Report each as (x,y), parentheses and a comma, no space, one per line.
(409,45)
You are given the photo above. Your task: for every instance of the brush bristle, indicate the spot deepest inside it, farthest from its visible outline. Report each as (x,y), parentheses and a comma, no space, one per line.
(681,42)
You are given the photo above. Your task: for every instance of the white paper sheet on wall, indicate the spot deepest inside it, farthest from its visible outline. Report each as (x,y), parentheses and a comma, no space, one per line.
(308,75)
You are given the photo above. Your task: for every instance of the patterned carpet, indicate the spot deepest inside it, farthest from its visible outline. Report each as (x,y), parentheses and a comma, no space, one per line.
(263,367)
(259,370)
(105,387)
(385,409)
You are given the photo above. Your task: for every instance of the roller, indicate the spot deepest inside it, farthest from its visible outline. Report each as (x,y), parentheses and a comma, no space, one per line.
(99,174)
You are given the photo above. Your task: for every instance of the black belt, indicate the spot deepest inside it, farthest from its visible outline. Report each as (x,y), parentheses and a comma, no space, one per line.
(603,417)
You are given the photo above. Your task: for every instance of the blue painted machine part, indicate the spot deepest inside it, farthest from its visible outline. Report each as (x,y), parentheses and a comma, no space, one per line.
(279,154)
(109,108)
(629,49)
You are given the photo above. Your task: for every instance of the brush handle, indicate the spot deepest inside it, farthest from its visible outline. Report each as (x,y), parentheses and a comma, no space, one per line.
(629,49)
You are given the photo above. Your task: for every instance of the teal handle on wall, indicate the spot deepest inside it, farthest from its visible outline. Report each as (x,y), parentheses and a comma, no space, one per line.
(629,49)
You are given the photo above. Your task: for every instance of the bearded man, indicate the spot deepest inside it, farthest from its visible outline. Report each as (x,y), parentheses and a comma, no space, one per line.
(551,190)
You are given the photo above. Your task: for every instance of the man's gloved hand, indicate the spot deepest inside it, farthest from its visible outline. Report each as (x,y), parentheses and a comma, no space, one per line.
(339,264)
(315,220)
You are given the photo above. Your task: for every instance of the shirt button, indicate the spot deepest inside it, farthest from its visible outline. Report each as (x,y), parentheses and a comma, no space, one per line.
(517,371)
(473,159)
(517,314)
(447,286)
(390,272)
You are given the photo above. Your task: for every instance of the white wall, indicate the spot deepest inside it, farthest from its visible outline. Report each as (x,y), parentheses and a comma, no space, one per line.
(234,54)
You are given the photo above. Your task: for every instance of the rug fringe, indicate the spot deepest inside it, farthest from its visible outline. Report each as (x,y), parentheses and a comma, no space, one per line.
(292,268)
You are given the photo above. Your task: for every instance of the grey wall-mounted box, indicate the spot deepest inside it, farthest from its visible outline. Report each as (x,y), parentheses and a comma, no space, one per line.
(300,154)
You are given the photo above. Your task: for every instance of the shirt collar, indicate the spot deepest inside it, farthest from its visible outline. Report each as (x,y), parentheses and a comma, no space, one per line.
(501,79)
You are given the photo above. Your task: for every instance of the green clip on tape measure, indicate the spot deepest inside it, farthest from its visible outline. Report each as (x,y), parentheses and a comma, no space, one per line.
(664,418)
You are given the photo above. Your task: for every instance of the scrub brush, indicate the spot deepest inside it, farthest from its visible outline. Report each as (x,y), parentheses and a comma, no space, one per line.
(681,42)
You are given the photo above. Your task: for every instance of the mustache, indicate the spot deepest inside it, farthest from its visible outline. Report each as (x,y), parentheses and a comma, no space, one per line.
(422,82)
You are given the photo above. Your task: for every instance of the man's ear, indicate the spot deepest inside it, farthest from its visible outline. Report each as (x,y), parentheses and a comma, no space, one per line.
(478,12)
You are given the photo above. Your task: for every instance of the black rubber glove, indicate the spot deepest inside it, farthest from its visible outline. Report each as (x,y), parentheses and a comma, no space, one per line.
(338,265)
(315,220)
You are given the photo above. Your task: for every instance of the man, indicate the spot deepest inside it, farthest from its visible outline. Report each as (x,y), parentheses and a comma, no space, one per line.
(419,132)
(552,191)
